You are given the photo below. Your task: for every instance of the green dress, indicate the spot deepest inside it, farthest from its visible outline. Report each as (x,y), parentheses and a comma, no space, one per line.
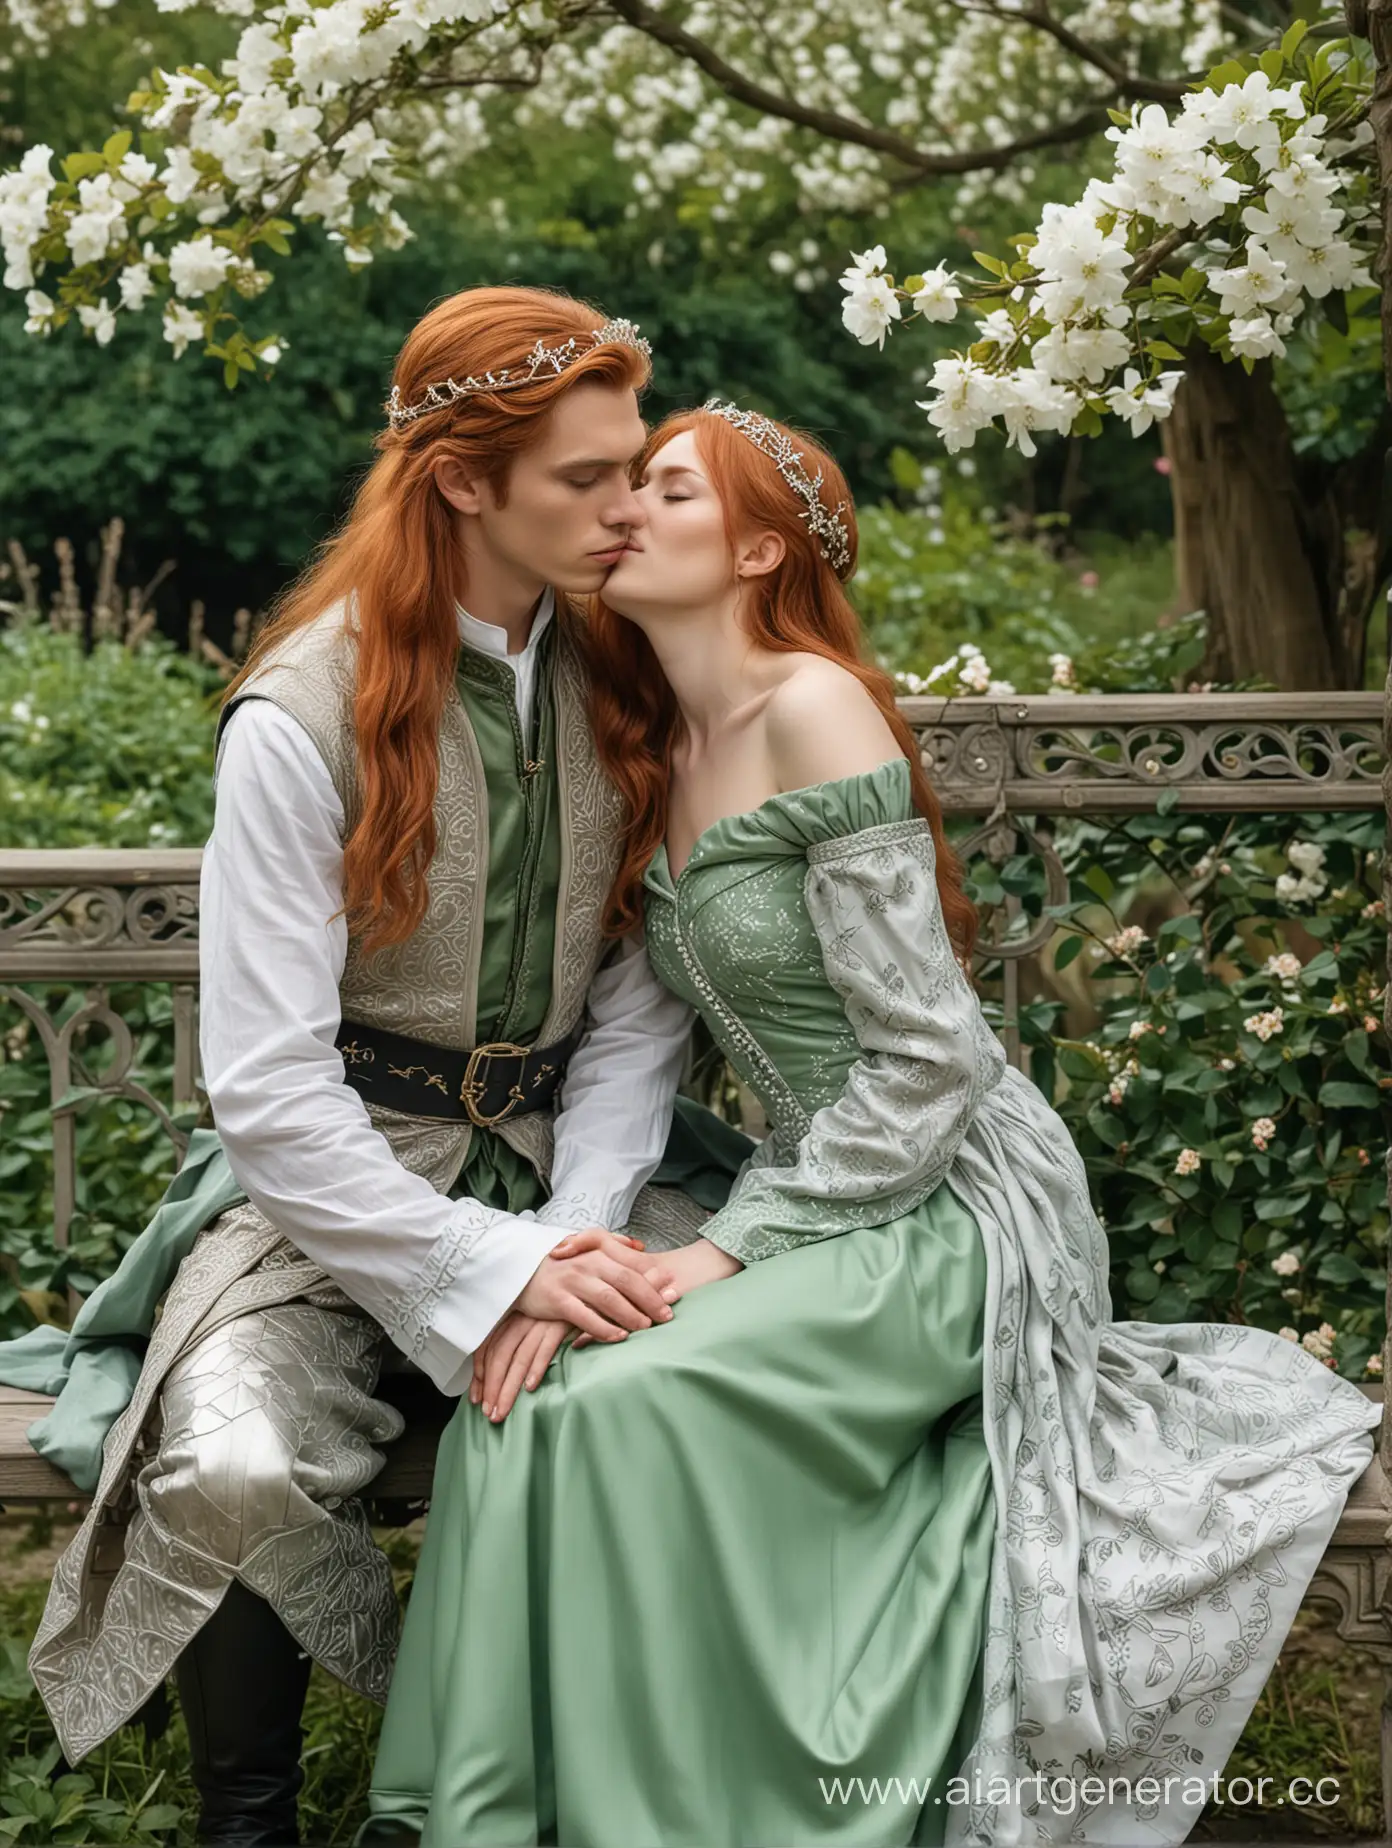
(696,1578)
(700,1577)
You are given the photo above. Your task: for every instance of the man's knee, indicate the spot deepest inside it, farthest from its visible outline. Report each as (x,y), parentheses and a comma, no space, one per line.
(224,1484)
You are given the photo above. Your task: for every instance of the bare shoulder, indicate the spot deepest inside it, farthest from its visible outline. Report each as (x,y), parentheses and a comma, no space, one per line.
(824,724)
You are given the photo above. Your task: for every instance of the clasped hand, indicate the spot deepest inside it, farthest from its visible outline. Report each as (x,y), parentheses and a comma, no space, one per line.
(596,1285)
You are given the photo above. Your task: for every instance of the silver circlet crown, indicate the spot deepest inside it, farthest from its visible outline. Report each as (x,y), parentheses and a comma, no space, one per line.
(542,360)
(826,523)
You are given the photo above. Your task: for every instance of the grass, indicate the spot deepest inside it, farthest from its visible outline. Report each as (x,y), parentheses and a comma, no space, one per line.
(1317,1718)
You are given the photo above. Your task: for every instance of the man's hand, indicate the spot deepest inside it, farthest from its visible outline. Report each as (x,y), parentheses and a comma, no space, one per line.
(519,1349)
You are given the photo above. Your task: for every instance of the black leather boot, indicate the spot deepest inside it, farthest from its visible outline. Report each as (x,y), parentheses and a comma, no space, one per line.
(242,1684)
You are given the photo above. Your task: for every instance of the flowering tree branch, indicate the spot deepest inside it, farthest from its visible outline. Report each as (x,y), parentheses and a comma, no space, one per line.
(1261,181)
(1125,83)
(922,163)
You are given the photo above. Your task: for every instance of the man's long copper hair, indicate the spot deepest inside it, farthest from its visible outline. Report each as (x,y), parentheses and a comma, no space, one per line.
(397,558)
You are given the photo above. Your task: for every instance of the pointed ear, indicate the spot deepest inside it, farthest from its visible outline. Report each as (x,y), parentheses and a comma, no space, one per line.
(758,556)
(463,491)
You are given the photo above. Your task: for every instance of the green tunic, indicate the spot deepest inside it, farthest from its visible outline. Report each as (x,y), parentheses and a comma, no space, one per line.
(517,942)
(695,1578)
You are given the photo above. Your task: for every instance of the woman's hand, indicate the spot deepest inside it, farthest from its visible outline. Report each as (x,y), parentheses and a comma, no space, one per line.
(690,1267)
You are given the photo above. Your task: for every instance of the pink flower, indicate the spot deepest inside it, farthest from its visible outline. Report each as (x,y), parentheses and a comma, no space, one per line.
(1161,465)
(1089,580)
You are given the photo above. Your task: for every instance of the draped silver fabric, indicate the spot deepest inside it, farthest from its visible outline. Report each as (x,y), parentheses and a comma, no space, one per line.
(252,1432)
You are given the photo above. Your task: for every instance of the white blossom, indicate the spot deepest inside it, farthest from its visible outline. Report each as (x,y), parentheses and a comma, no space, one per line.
(136,285)
(869,309)
(100,321)
(197,266)
(938,298)
(1265,1025)
(1256,339)
(181,327)
(40,310)
(1126,942)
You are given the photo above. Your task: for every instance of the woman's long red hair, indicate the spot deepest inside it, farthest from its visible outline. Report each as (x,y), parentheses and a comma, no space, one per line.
(397,564)
(801,606)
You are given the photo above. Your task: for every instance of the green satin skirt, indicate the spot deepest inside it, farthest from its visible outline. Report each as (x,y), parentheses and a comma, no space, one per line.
(700,1582)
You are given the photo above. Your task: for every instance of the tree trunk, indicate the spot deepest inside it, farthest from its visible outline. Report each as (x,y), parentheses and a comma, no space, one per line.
(1254,548)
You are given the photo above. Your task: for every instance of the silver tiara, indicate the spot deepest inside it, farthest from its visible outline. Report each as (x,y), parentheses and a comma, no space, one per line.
(542,360)
(829,527)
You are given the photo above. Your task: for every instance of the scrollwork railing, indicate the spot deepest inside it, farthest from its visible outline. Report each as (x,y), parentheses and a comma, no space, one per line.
(88,918)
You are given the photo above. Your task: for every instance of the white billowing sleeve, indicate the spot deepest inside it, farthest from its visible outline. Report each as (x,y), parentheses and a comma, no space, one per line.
(616,1102)
(438,1274)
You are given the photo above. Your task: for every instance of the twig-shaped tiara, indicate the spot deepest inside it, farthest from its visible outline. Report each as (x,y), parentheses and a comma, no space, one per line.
(541,360)
(826,523)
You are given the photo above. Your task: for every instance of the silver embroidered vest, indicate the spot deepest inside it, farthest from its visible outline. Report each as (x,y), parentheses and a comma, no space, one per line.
(428,985)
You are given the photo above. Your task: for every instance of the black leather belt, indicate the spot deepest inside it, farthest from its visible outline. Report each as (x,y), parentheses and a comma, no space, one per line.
(485,1086)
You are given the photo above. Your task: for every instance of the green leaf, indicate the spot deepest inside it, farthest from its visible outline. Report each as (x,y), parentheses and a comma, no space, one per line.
(231,372)
(1098,880)
(1227,1221)
(1290,43)
(1088,422)
(992,265)
(1338,1092)
(1186,926)
(116,147)
(1338,1267)
(1281,1206)
(82,166)
(1166,801)
(1356,1051)
(1068,952)
(161,1816)
(1163,350)
(1120,118)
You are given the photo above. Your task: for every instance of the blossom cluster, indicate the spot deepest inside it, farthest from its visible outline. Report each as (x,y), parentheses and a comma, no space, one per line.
(1242,194)
(1308,881)
(299,120)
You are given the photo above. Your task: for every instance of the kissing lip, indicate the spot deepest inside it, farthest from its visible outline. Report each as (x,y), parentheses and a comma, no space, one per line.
(610,555)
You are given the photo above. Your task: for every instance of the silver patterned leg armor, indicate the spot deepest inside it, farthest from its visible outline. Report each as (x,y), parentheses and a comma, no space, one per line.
(251,1435)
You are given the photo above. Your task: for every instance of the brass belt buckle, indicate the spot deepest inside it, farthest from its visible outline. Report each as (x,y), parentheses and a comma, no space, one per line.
(471,1090)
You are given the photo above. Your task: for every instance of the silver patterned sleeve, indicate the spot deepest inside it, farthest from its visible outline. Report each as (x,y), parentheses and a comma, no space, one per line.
(927,1055)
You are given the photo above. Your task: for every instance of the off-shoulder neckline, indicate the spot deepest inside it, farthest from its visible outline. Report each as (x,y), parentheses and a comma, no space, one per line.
(773,802)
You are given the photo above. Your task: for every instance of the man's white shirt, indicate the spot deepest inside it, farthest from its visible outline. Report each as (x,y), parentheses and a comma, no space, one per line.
(298,1138)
